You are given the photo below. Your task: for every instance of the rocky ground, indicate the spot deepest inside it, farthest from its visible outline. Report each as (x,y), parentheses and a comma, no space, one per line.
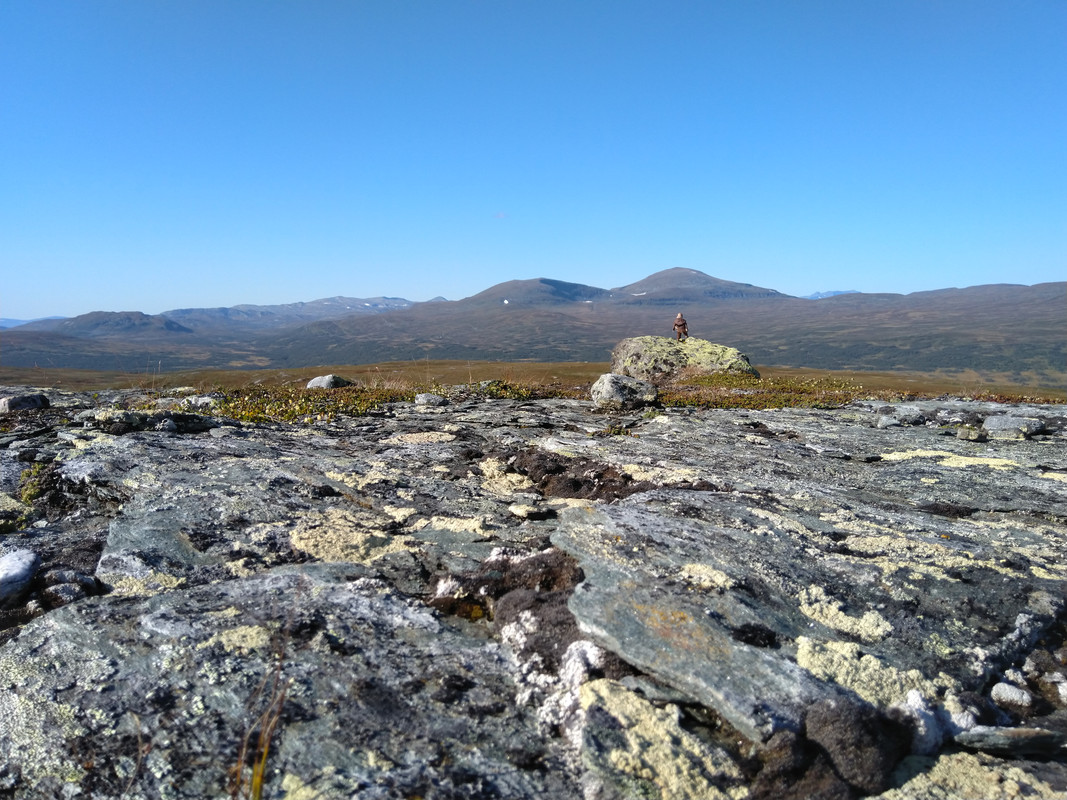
(503,598)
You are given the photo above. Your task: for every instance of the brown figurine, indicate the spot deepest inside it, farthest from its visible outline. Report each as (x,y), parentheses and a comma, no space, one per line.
(681,327)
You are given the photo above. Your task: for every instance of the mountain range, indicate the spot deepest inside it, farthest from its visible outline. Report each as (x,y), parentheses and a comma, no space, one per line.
(1004,328)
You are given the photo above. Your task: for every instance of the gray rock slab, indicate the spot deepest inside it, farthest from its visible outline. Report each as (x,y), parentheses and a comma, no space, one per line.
(369,690)
(785,560)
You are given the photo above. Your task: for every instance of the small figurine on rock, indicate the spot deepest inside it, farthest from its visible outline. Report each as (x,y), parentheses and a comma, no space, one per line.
(681,327)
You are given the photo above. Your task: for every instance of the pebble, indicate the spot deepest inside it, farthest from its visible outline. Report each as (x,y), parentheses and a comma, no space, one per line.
(1006,694)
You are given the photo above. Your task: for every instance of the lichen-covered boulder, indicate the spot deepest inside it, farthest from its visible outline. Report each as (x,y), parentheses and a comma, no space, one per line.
(619,392)
(657,358)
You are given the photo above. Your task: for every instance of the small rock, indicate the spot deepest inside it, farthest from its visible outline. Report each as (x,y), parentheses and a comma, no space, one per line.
(1007,695)
(864,744)
(429,399)
(328,382)
(969,433)
(1015,676)
(620,392)
(1005,426)
(17,571)
(63,594)
(1013,742)
(200,402)
(10,777)
(22,403)
(56,577)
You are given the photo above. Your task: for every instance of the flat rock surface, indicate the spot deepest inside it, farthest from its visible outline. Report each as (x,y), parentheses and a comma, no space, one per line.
(508,598)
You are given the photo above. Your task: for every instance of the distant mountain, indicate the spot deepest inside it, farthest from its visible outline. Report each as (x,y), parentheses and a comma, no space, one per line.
(824,295)
(680,286)
(1002,328)
(14,323)
(103,324)
(265,317)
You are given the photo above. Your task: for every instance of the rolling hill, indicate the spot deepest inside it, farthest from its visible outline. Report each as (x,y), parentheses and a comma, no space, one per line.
(1003,328)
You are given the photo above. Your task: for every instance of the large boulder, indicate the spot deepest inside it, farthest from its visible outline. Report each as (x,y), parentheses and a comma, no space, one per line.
(657,358)
(621,393)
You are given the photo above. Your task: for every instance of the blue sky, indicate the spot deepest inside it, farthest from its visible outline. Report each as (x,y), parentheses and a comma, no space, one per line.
(161,155)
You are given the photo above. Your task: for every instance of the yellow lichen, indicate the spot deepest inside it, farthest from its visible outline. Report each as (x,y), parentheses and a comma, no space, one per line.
(706,577)
(242,639)
(153,583)
(816,604)
(454,524)
(500,482)
(422,437)
(660,475)
(296,789)
(345,535)
(967,776)
(400,513)
(946,459)
(845,664)
(670,762)
(10,504)
(1055,476)
(380,472)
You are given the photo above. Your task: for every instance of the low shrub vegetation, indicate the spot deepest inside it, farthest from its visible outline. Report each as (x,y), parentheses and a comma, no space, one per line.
(291,404)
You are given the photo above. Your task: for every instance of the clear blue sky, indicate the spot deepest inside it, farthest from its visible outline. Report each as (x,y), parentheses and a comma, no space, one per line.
(158,155)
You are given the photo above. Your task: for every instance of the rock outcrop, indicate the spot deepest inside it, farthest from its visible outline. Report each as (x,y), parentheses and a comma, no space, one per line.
(534,598)
(658,359)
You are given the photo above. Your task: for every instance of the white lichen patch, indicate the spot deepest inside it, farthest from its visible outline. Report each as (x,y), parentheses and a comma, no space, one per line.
(422,437)
(845,664)
(500,482)
(345,535)
(967,776)
(241,639)
(706,577)
(660,755)
(946,459)
(817,605)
